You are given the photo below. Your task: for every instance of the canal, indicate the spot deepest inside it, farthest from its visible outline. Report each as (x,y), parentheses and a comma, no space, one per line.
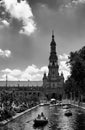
(56,117)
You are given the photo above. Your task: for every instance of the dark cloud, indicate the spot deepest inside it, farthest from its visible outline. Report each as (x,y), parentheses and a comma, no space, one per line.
(20,45)
(54,4)
(3,13)
(16,24)
(80,11)
(26,50)
(19,15)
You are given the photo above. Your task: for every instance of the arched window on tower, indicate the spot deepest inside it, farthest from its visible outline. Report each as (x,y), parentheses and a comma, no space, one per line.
(53,72)
(53,63)
(53,85)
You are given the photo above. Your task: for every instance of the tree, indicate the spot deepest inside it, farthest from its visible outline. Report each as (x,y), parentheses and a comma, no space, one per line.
(7,98)
(70,87)
(76,81)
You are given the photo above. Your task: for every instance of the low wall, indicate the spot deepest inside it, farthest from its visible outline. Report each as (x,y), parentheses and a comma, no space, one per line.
(74,103)
(77,104)
(2,123)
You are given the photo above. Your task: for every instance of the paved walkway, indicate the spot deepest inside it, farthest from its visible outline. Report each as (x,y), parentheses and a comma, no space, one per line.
(81,105)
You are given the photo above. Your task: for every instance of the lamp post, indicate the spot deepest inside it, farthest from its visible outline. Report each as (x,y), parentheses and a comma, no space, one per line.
(6,80)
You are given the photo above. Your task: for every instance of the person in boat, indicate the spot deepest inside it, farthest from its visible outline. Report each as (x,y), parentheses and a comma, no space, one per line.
(39,116)
(44,118)
(42,114)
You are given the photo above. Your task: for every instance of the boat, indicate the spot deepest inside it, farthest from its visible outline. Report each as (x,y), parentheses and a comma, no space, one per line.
(65,107)
(41,120)
(52,102)
(42,104)
(51,105)
(68,113)
(46,104)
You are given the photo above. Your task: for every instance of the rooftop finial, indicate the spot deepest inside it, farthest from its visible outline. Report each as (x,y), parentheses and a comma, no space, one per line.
(52,34)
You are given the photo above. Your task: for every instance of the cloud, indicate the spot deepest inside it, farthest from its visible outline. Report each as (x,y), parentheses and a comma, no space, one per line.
(52,4)
(63,57)
(78,1)
(4,22)
(32,73)
(71,3)
(22,12)
(10,77)
(14,72)
(64,68)
(5,53)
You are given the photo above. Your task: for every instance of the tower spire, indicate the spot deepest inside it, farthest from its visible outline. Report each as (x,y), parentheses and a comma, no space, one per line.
(53,59)
(52,34)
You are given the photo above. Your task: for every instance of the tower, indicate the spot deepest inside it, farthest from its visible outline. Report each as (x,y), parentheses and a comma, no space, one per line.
(53,61)
(53,79)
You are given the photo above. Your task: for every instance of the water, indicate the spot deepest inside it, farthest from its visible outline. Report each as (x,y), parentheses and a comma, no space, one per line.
(56,117)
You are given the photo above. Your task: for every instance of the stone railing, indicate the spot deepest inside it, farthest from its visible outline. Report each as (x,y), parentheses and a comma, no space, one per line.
(77,103)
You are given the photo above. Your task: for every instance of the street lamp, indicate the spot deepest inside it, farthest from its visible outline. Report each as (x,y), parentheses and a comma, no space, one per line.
(6,80)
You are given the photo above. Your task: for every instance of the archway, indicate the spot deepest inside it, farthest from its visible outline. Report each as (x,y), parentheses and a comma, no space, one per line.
(53,95)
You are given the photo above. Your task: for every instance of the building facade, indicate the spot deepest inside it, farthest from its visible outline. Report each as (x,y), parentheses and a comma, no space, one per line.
(53,82)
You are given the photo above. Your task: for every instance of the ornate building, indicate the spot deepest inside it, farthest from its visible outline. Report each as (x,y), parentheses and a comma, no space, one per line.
(53,80)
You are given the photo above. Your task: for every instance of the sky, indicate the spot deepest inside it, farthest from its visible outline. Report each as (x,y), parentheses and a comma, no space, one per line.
(26,32)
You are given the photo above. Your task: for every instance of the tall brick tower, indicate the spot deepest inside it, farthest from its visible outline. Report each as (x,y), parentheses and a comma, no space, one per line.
(53,80)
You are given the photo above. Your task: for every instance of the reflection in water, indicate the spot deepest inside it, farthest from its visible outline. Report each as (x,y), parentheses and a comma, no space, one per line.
(65,122)
(56,120)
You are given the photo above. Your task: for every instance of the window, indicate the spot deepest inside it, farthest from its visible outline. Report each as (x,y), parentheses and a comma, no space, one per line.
(25,93)
(53,72)
(38,94)
(16,93)
(30,93)
(53,85)
(34,93)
